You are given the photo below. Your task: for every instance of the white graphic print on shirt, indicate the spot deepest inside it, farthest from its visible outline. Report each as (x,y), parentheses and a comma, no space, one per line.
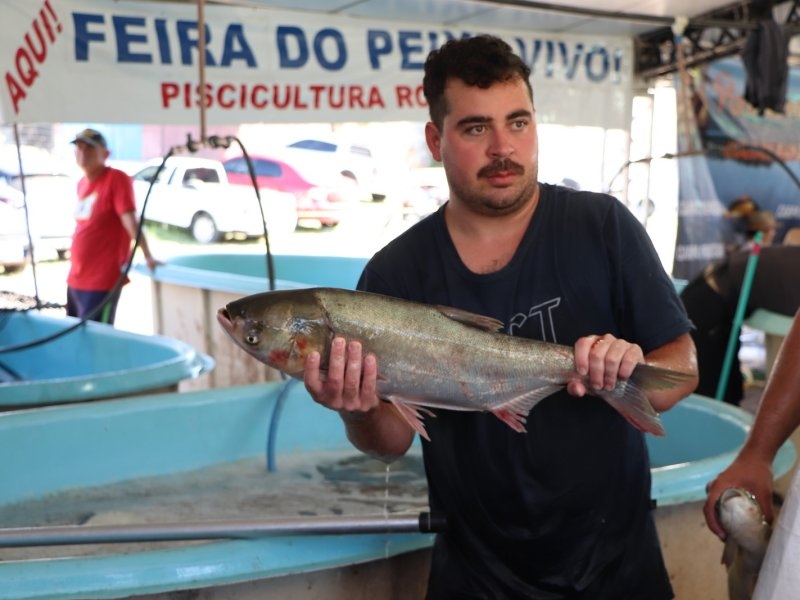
(83,210)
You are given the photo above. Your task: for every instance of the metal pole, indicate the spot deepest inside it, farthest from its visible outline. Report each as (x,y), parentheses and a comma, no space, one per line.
(31,245)
(201,47)
(207,530)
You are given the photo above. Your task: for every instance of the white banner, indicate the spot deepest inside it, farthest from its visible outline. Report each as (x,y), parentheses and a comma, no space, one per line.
(137,62)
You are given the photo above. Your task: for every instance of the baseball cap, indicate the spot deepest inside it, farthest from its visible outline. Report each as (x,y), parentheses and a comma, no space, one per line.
(91,137)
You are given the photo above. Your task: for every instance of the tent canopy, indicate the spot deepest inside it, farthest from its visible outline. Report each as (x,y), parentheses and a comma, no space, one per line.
(308,60)
(612,17)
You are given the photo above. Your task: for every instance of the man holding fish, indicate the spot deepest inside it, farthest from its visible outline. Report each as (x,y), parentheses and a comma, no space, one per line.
(562,510)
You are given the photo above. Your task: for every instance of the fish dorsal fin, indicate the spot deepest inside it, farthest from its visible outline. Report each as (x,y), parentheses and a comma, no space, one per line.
(471,319)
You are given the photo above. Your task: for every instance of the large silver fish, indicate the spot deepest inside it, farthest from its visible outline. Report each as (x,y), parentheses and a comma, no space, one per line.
(746,543)
(428,356)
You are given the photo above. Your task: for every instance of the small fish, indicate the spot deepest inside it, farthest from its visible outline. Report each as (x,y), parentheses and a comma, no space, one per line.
(428,356)
(746,543)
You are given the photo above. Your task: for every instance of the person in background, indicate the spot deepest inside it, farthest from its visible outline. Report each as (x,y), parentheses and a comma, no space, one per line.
(711,299)
(777,416)
(562,511)
(792,237)
(749,219)
(106,225)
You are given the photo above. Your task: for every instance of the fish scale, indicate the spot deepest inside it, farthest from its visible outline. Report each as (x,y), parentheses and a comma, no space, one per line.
(428,356)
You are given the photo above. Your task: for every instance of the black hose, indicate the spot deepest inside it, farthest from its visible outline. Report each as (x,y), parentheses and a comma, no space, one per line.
(217,141)
(713,152)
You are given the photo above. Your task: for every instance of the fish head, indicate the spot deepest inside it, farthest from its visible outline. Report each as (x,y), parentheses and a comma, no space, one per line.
(279,328)
(741,517)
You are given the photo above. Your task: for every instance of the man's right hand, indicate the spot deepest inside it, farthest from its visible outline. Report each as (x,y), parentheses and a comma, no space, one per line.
(350,387)
(350,383)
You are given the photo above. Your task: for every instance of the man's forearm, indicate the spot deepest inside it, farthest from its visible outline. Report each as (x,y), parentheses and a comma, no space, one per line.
(381,432)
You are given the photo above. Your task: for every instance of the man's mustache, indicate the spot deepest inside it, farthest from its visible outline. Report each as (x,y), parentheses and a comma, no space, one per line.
(502,165)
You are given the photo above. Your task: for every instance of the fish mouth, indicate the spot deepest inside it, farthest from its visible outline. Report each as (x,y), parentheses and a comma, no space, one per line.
(734,492)
(731,493)
(224,319)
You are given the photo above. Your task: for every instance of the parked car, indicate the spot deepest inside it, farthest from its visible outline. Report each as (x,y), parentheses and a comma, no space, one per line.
(14,245)
(420,191)
(322,197)
(351,159)
(195,194)
(50,195)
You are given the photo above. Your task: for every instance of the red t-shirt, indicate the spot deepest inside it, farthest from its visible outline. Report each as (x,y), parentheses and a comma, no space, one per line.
(100,244)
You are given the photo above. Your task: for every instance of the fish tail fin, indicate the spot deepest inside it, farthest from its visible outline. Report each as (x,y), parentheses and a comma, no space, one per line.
(412,415)
(630,400)
(649,378)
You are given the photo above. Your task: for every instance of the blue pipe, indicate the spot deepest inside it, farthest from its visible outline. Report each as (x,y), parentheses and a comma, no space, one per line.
(273,423)
(744,296)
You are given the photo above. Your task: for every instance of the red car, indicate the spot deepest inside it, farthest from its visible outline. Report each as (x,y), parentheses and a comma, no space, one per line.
(321,200)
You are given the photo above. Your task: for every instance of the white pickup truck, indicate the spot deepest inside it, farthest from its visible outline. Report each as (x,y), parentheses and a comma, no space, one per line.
(194,194)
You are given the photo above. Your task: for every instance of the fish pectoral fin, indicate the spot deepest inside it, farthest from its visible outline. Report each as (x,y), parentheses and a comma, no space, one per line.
(514,412)
(471,319)
(412,414)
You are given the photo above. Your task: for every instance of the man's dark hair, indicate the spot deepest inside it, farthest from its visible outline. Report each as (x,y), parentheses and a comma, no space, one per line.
(477,61)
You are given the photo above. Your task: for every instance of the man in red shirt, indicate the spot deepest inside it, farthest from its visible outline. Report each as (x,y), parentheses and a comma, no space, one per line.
(106,224)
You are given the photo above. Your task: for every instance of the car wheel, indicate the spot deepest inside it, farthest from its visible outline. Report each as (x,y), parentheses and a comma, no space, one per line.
(8,269)
(204,229)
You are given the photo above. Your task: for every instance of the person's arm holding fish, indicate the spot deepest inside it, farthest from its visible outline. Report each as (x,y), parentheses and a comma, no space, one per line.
(605,359)
(373,426)
(777,417)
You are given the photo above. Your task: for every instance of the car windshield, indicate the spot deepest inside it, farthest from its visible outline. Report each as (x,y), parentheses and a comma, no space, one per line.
(148,173)
(201,174)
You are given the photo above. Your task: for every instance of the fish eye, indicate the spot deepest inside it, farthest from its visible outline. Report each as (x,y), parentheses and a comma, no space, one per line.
(252,338)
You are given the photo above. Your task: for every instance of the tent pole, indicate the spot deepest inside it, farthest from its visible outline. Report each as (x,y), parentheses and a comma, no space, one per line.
(201,46)
(18,143)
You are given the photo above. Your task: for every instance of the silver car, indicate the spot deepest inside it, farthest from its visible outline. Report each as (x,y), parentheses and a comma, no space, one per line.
(14,245)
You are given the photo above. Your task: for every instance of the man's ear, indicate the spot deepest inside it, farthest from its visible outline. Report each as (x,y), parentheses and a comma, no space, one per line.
(433,138)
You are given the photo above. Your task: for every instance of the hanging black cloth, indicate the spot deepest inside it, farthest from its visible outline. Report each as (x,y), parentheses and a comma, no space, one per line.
(765,57)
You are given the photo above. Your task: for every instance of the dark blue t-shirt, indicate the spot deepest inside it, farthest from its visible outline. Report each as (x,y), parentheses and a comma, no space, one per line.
(563,508)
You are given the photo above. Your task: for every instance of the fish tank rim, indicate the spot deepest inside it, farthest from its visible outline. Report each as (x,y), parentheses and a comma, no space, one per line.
(120,382)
